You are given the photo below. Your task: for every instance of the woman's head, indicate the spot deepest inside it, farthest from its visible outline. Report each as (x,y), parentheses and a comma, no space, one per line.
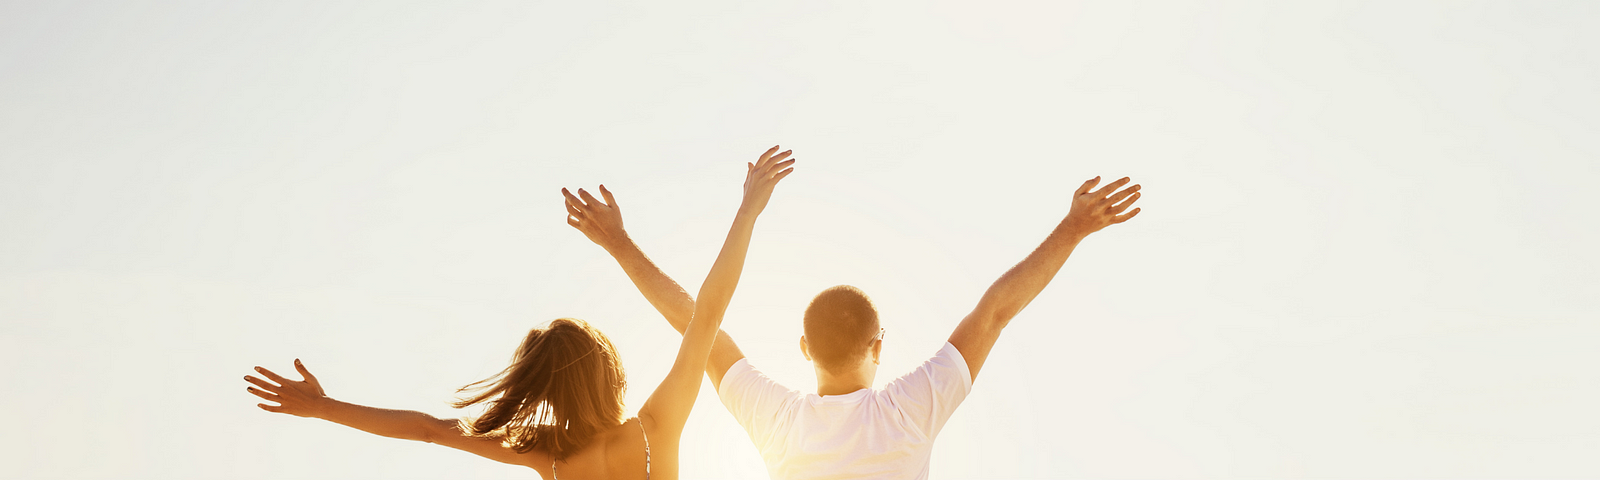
(564,385)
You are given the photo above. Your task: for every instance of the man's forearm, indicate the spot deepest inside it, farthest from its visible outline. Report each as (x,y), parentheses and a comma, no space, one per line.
(975,336)
(1022,283)
(660,290)
(672,301)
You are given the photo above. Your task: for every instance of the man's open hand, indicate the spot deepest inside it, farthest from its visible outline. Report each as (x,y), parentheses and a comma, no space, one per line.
(600,221)
(1092,211)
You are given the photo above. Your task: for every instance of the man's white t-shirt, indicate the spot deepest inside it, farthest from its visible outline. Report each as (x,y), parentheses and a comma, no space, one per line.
(866,434)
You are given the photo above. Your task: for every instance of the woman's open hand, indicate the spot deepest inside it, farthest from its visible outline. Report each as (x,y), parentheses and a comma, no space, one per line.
(303,398)
(762,176)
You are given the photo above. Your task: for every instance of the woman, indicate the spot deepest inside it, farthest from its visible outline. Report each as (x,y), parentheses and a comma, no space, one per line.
(558,407)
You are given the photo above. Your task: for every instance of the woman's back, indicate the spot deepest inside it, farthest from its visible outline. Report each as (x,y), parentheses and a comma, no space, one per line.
(622,452)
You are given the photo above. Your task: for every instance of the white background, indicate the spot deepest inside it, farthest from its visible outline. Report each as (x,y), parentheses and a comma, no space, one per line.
(1367,247)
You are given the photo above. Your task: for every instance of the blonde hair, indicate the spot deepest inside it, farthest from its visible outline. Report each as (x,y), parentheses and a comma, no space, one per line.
(565,385)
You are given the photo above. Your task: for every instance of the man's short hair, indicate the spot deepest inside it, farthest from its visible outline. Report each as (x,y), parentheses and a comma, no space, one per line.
(840,325)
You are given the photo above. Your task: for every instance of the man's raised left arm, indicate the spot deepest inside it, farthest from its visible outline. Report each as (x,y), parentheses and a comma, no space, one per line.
(1091,211)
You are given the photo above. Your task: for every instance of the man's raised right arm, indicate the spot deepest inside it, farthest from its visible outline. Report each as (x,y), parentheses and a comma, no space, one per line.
(601,222)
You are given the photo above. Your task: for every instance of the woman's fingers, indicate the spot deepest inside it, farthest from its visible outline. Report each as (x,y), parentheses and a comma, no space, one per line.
(771,171)
(778,158)
(270,408)
(782,165)
(765,173)
(272,376)
(571,220)
(571,210)
(764,156)
(265,395)
(305,373)
(262,383)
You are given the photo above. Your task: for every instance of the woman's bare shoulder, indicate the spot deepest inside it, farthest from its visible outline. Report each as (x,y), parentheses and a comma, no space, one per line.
(625,448)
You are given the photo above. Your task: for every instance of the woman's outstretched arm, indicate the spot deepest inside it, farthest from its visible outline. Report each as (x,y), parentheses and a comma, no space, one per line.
(305,398)
(668,407)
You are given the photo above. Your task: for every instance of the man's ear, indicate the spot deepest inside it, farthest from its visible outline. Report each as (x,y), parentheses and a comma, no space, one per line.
(877,350)
(805,349)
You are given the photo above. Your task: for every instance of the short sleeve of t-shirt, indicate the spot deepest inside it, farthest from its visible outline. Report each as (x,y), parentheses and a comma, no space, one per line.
(755,400)
(927,396)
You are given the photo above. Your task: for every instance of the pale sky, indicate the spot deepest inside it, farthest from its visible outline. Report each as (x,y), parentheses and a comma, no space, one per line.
(1367,248)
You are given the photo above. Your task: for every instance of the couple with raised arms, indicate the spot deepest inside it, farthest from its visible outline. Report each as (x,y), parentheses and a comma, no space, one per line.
(558,407)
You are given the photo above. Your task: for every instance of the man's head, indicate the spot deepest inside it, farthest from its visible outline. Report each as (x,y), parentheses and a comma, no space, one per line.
(841,329)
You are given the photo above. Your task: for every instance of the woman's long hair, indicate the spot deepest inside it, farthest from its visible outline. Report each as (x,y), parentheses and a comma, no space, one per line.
(564,385)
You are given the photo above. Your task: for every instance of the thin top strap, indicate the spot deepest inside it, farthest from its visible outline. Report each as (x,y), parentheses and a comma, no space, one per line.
(646,449)
(646,454)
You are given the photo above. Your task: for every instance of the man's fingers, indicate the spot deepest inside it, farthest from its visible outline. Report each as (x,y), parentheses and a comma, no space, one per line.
(1111,187)
(1086,186)
(263,394)
(270,408)
(304,373)
(272,376)
(1118,208)
(1124,217)
(610,200)
(587,198)
(261,383)
(575,205)
(1123,194)
(571,199)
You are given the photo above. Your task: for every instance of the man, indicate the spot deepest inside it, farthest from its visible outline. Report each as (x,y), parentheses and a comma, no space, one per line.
(846,429)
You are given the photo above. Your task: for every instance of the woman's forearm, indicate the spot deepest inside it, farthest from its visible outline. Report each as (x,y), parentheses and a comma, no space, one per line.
(720,283)
(401,424)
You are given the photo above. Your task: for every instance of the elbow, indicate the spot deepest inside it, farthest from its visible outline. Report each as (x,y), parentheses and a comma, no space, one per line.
(999,324)
(979,326)
(424,435)
(997,319)
(1004,318)
(433,430)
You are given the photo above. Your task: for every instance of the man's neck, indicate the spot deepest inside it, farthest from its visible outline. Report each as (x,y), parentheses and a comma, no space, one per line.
(830,383)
